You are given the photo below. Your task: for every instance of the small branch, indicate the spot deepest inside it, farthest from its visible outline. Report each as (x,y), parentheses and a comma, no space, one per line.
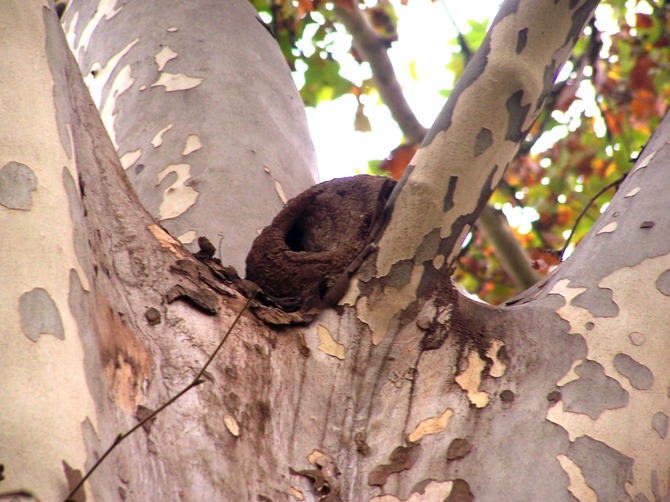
(465,48)
(374,50)
(615,183)
(511,255)
(199,378)
(13,495)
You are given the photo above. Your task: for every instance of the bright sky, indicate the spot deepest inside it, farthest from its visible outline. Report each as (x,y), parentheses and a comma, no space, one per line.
(424,29)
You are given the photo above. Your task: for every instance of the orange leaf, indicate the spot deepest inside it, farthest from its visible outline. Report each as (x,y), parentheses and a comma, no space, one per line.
(398,160)
(564,215)
(641,75)
(614,122)
(643,104)
(643,20)
(305,6)
(544,259)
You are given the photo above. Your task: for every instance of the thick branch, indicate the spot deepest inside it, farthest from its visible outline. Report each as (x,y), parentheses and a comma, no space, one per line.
(373,49)
(479,131)
(465,154)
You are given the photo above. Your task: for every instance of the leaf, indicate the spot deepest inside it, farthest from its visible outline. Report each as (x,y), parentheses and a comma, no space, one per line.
(323,81)
(396,162)
(384,20)
(305,6)
(361,122)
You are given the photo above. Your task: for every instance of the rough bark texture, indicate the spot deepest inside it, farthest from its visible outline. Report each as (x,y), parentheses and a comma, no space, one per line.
(560,396)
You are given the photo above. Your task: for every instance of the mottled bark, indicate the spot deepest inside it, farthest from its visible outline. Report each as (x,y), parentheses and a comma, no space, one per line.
(191,92)
(562,395)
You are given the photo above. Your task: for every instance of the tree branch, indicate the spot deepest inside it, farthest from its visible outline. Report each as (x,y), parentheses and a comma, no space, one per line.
(480,129)
(197,380)
(374,50)
(508,250)
(465,154)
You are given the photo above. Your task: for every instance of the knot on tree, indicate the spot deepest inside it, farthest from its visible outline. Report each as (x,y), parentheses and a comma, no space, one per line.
(317,241)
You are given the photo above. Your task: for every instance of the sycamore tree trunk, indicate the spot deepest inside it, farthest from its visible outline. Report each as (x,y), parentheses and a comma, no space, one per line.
(192,93)
(405,390)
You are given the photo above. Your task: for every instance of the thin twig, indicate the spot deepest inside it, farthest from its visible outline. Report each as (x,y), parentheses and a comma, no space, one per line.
(615,183)
(16,493)
(194,383)
(465,48)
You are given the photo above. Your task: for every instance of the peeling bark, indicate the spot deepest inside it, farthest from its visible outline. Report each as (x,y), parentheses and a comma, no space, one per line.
(179,96)
(561,395)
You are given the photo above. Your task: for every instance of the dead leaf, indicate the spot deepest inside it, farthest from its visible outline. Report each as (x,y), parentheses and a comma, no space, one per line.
(397,161)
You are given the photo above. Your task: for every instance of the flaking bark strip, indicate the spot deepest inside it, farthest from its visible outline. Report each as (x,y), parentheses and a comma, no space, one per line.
(402,458)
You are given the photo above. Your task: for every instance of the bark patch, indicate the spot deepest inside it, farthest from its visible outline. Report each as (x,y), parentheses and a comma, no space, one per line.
(17,182)
(638,374)
(460,492)
(316,239)
(593,392)
(39,315)
(401,459)
(458,448)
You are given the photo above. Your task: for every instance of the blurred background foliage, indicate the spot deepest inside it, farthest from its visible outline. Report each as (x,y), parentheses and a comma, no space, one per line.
(606,102)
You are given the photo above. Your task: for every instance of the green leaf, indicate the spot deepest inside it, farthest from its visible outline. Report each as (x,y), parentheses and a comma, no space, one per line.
(323,81)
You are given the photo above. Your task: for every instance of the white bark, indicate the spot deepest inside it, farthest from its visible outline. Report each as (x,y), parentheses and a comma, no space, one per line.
(192,93)
(44,394)
(562,395)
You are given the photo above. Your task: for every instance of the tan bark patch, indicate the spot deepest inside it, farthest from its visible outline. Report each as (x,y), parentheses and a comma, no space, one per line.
(435,490)
(297,493)
(232,425)
(498,368)
(177,82)
(178,197)
(578,487)
(471,378)
(327,344)
(126,362)
(431,425)
(610,227)
(166,240)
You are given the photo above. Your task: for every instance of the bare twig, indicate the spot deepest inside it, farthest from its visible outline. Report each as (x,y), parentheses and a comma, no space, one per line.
(615,183)
(13,495)
(194,383)
(465,48)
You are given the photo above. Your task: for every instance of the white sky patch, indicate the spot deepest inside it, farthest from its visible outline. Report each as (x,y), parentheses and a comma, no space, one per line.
(425,31)
(520,218)
(340,150)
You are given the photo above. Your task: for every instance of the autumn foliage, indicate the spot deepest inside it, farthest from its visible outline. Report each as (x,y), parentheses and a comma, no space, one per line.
(609,97)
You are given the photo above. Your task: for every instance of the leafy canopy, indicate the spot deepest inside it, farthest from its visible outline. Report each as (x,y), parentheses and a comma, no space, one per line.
(607,100)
